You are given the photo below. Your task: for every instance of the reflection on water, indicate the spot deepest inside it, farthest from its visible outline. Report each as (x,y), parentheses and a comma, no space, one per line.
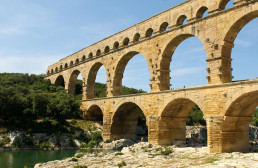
(18,159)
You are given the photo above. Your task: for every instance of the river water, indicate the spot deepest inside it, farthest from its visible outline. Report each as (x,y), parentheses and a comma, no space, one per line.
(21,158)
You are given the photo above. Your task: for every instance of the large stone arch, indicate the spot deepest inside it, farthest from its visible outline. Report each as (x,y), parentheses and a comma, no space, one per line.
(229,35)
(166,55)
(119,71)
(235,126)
(60,81)
(172,122)
(94,113)
(91,78)
(72,81)
(124,121)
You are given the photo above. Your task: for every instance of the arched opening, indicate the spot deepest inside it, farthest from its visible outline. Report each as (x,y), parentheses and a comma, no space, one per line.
(116,45)
(66,65)
(182,123)
(244,54)
(163,27)
(235,127)
(126,41)
(52,71)
(183,63)
(77,61)
(98,53)
(181,20)
(94,113)
(75,85)
(97,82)
(48,73)
(136,37)
(61,67)
(56,70)
(83,58)
(60,81)
(226,4)
(129,122)
(90,56)
(71,64)
(202,12)
(149,33)
(125,75)
(107,49)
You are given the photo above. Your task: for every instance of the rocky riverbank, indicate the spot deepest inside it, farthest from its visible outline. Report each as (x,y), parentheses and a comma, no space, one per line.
(81,138)
(144,154)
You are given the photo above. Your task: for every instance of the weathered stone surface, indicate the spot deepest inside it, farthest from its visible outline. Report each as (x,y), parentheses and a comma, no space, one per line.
(146,155)
(118,144)
(227,106)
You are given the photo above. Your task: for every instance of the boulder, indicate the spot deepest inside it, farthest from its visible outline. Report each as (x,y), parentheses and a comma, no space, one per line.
(118,144)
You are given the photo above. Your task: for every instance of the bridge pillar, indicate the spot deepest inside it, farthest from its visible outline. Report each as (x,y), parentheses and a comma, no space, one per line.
(214,133)
(153,127)
(171,130)
(235,134)
(219,63)
(106,128)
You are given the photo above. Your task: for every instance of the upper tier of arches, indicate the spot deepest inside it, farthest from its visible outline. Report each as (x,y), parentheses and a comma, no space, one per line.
(166,23)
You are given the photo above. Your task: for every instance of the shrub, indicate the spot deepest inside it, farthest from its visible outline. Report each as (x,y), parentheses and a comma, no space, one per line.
(80,166)
(74,159)
(167,151)
(79,155)
(73,122)
(1,144)
(121,164)
(119,153)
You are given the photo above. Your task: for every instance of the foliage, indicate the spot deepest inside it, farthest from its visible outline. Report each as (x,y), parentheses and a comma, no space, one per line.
(80,166)
(255,118)
(121,164)
(119,153)
(25,98)
(167,151)
(79,155)
(195,117)
(74,159)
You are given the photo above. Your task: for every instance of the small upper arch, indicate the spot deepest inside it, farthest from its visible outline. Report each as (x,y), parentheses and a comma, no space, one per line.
(149,32)
(71,64)
(126,41)
(77,61)
(201,12)
(83,58)
(107,49)
(66,66)
(52,71)
(90,55)
(98,53)
(136,37)
(181,20)
(116,45)
(163,27)
(48,72)
(223,4)
(56,70)
(61,67)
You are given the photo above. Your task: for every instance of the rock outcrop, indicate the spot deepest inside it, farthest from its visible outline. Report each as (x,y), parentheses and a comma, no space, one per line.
(146,155)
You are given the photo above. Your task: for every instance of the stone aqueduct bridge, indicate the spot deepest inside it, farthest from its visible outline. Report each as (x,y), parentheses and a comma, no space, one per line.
(227,106)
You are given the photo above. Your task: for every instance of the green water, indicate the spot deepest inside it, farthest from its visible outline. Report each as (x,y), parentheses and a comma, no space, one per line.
(18,159)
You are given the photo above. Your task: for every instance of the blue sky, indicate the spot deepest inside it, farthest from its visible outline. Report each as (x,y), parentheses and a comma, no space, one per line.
(35,34)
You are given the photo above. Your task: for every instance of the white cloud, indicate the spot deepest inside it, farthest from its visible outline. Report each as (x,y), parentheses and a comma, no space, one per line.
(36,64)
(186,71)
(243,43)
